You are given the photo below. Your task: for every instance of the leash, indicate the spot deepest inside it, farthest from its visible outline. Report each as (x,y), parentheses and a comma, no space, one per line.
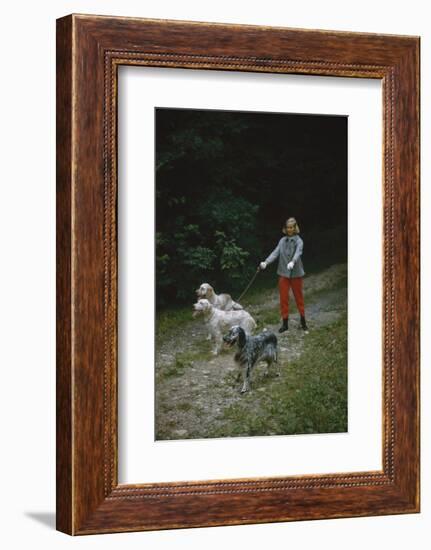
(249,285)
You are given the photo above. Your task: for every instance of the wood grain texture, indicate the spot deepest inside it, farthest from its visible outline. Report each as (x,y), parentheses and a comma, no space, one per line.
(64,497)
(90,49)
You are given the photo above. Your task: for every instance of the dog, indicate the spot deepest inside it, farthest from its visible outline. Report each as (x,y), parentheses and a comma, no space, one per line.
(220,301)
(251,350)
(218,321)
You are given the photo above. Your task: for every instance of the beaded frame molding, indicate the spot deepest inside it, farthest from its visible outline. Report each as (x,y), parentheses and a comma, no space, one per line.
(89,51)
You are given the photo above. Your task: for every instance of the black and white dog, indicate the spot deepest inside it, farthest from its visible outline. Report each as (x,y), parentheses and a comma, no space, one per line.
(251,349)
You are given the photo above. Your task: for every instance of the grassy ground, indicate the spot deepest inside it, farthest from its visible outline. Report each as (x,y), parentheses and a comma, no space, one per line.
(197,395)
(309,397)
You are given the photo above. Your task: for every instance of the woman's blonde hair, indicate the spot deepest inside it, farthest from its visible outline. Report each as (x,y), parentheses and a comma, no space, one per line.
(291,221)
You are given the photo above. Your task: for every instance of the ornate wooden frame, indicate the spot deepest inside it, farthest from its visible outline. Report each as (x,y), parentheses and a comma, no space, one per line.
(89,51)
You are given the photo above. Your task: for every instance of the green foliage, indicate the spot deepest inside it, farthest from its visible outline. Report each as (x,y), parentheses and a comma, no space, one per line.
(200,256)
(231,256)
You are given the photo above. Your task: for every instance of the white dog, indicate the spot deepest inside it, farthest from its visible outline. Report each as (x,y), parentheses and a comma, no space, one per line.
(219,321)
(220,301)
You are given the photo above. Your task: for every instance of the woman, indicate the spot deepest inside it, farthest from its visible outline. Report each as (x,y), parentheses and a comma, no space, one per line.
(290,271)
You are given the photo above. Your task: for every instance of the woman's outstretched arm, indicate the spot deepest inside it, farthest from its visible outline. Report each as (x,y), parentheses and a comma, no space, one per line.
(274,254)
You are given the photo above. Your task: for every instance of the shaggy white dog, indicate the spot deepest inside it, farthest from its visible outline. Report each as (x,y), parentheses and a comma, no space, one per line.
(219,321)
(220,301)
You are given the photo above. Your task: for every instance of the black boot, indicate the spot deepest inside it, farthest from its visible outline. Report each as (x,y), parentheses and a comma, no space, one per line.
(284,326)
(303,324)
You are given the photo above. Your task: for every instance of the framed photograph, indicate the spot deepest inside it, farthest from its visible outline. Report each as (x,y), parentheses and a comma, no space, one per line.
(237,274)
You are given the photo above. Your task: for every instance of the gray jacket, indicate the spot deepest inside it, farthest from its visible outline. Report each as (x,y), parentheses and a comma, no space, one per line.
(288,249)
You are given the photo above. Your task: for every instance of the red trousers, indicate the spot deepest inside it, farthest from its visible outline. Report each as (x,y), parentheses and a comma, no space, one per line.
(284,283)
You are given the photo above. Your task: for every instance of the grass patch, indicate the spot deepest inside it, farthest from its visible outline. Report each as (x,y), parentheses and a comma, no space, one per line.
(178,366)
(309,397)
(167,320)
(267,317)
(175,369)
(185,406)
(184,360)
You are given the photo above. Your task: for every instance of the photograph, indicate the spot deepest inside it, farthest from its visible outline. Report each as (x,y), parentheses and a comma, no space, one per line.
(251,278)
(214,275)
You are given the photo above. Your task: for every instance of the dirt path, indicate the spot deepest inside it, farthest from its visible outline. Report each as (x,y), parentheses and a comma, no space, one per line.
(194,389)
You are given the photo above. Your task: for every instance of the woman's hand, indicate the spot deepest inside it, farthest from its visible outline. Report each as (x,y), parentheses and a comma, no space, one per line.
(290,265)
(262,265)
